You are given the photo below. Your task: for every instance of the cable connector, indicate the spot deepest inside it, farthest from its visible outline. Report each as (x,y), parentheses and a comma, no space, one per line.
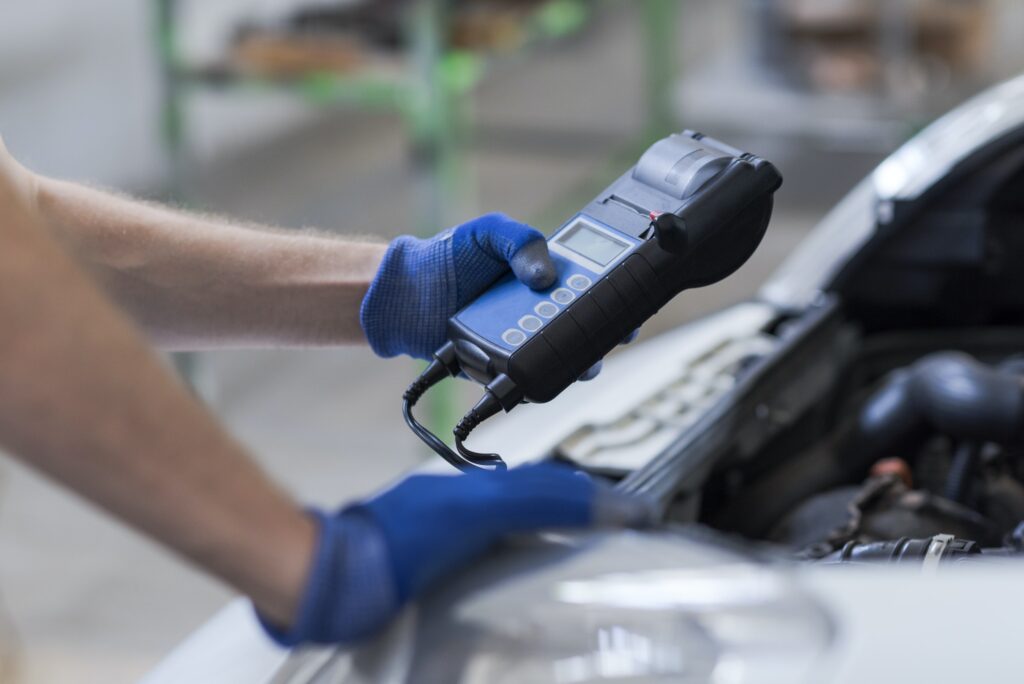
(484,409)
(500,394)
(446,363)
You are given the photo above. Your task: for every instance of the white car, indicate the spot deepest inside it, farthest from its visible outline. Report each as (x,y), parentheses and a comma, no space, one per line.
(837,462)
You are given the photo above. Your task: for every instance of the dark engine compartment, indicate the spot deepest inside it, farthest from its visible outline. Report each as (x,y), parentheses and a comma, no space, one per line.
(909,443)
(914,441)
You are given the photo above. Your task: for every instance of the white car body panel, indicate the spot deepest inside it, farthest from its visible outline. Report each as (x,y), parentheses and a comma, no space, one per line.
(229,647)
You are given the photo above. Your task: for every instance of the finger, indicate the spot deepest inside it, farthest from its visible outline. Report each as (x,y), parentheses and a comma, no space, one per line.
(595,370)
(613,508)
(609,507)
(533,266)
(592,372)
(517,244)
(539,496)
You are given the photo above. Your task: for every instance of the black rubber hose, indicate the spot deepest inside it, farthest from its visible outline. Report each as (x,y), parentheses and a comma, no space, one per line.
(961,471)
(950,393)
(967,399)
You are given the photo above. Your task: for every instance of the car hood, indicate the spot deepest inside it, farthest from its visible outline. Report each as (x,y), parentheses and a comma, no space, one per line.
(971,137)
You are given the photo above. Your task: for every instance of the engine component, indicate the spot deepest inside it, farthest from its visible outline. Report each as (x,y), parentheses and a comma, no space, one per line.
(1000,497)
(949,393)
(962,470)
(814,521)
(928,551)
(894,466)
(883,508)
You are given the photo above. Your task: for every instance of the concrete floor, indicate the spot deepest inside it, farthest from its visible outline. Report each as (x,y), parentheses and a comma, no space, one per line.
(84,599)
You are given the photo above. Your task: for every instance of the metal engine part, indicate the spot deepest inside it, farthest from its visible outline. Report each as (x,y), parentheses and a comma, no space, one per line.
(883,509)
(960,424)
(928,552)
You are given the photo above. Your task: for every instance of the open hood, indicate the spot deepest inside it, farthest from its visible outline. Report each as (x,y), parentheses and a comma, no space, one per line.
(926,236)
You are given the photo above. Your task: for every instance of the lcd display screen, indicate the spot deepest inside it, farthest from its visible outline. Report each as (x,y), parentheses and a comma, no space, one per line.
(592,244)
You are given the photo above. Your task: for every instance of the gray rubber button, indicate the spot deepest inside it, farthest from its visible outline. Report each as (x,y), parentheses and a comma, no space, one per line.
(546,310)
(530,323)
(513,337)
(579,282)
(563,296)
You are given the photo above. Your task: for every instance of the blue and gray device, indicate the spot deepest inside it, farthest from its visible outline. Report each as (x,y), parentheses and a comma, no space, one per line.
(688,214)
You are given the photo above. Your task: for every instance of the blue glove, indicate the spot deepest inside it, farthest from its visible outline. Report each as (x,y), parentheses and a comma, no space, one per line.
(373,557)
(422,283)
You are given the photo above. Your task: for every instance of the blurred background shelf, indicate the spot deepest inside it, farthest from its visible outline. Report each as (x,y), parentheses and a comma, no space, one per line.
(420,59)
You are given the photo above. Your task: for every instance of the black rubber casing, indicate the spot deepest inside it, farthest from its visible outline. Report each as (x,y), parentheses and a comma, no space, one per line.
(706,238)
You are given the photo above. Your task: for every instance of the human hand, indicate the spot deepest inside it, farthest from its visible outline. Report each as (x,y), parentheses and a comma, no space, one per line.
(374,557)
(422,283)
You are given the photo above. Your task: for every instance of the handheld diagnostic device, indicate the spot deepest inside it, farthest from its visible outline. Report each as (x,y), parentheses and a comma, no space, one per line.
(688,214)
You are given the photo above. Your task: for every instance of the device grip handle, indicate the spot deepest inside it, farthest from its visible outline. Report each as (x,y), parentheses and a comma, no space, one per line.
(743,182)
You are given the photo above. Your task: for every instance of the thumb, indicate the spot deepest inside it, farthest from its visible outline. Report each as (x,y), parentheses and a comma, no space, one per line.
(533,266)
(522,247)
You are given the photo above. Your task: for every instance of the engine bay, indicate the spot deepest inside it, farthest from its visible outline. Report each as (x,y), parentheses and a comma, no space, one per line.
(886,421)
(914,451)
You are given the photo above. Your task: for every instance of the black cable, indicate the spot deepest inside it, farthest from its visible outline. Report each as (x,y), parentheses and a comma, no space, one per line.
(441,367)
(416,390)
(484,409)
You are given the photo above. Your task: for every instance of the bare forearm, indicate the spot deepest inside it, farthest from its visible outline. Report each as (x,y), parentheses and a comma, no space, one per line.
(199,282)
(83,400)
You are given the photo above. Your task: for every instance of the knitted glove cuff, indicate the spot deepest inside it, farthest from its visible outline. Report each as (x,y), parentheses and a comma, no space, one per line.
(350,593)
(406,309)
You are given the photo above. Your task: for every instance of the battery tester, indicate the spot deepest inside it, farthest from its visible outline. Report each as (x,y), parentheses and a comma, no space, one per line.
(688,214)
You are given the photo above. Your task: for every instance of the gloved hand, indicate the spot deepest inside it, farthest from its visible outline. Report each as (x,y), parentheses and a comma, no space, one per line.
(422,283)
(373,557)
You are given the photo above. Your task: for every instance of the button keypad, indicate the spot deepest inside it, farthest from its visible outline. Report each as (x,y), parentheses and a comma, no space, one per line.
(570,290)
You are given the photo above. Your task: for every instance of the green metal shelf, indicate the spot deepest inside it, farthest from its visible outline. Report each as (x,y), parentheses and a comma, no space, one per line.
(386,84)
